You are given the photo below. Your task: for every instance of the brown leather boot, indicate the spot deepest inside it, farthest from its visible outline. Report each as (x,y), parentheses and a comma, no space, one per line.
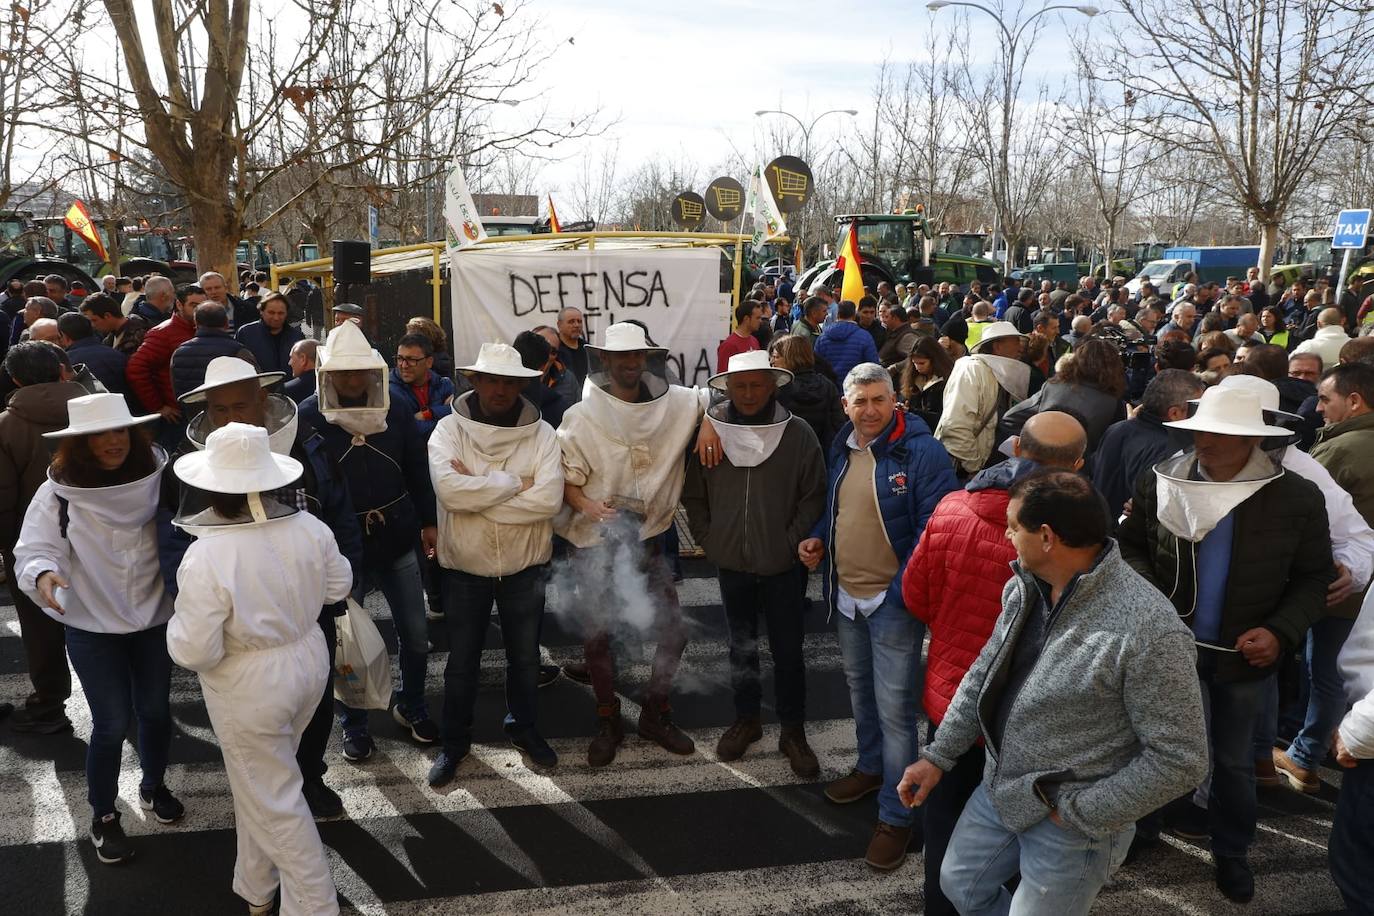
(1266,777)
(853,787)
(656,725)
(738,737)
(887,849)
(610,731)
(793,745)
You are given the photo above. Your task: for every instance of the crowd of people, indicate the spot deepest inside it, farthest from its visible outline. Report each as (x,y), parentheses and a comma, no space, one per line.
(1113,549)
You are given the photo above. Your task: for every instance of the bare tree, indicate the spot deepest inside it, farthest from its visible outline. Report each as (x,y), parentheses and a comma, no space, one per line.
(231,114)
(1262,90)
(28,30)
(1176,185)
(1111,141)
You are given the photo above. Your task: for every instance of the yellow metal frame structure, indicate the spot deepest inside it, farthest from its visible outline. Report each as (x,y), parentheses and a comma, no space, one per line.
(562,241)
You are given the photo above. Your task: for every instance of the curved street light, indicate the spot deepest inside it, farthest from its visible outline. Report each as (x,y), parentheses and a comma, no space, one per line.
(805,128)
(1009,79)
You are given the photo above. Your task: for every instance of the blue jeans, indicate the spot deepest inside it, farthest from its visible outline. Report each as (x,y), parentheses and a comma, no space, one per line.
(1352,838)
(1062,870)
(1231,708)
(882,665)
(405,597)
(1325,695)
(124,675)
(519,601)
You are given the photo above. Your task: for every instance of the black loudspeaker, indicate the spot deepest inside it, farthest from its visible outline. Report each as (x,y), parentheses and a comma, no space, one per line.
(352,261)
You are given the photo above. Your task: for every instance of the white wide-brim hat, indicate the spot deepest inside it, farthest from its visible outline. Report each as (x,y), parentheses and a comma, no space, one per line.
(1266,390)
(996,331)
(237,459)
(229,370)
(500,359)
(752,361)
(1229,412)
(625,337)
(98,413)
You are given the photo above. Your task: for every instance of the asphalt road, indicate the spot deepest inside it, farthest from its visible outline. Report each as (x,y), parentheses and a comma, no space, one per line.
(650,834)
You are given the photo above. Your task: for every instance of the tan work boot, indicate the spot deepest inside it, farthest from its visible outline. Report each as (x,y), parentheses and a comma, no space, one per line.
(1266,777)
(792,743)
(1300,780)
(853,787)
(610,731)
(887,849)
(656,725)
(738,737)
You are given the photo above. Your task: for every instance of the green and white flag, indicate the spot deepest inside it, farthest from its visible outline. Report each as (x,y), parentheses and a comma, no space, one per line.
(463,227)
(763,210)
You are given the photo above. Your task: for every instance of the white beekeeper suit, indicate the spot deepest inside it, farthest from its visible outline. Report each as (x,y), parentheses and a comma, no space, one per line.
(250,592)
(634,450)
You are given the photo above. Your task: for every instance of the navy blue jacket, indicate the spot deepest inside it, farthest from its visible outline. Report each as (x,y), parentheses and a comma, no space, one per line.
(272,351)
(192,358)
(844,345)
(912,472)
(300,387)
(441,392)
(149,314)
(387,476)
(1128,449)
(106,363)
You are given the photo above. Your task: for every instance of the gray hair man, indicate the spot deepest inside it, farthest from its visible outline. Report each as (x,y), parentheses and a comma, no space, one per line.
(886,475)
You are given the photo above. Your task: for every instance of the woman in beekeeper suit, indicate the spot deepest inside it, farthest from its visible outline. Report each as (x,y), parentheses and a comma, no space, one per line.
(250,592)
(87,555)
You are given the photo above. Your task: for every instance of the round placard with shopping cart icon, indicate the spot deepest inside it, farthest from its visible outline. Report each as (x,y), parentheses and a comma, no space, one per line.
(725,198)
(688,209)
(789,179)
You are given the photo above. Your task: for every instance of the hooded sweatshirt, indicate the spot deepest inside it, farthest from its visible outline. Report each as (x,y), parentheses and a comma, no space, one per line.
(488,525)
(116,585)
(32,411)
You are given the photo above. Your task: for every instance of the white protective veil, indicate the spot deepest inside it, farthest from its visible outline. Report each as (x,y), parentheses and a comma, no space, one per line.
(347,350)
(1190,507)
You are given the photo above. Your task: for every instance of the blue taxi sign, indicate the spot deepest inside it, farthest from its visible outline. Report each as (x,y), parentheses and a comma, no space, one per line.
(1352,229)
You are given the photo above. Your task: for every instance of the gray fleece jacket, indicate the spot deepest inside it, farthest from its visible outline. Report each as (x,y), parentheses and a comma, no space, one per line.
(1107,726)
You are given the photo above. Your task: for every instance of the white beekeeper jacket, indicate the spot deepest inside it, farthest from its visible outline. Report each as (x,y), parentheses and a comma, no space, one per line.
(1356,664)
(244,588)
(106,548)
(968,423)
(487,525)
(615,448)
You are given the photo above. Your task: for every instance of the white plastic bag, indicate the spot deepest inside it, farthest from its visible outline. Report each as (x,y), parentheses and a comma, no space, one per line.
(362,670)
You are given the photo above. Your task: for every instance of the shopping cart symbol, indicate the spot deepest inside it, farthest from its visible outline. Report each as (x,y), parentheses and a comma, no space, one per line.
(790,184)
(691,209)
(726,198)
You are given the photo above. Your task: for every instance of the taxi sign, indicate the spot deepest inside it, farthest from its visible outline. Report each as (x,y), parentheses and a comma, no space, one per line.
(1352,229)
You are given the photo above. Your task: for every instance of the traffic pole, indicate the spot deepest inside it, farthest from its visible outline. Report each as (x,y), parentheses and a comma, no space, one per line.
(1345,272)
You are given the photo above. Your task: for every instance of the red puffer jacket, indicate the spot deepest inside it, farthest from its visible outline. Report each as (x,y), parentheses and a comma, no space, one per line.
(955,579)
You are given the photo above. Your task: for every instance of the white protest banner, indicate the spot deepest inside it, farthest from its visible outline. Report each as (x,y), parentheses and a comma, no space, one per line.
(463,225)
(499,292)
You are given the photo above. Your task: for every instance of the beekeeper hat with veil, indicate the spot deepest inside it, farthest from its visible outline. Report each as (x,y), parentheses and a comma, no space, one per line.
(235,481)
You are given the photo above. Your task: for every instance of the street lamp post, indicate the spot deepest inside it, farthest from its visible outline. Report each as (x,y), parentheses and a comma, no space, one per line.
(805,128)
(1013,37)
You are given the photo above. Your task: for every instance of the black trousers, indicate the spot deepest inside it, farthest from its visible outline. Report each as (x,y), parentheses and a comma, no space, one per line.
(45,649)
(778,599)
(315,738)
(940,813)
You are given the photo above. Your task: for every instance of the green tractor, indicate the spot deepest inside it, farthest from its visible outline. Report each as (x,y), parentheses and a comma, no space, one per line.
(27,252)
(1311,256)
(141,251)
(897,248)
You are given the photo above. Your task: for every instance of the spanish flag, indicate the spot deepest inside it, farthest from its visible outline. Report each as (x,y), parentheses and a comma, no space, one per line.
(553,217)
(852,289)
(79,221)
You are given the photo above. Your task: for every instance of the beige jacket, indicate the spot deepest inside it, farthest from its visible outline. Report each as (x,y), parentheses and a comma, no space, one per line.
(614,448)
(968,422)
(487,525)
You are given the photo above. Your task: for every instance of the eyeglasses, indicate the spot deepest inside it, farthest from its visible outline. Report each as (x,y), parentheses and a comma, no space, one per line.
(410,360)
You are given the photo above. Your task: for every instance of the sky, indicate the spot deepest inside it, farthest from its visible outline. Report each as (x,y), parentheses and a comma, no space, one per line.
(682,79)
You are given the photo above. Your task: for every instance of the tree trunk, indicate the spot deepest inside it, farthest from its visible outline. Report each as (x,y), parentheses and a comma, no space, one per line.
(218,230)
(1269,240)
